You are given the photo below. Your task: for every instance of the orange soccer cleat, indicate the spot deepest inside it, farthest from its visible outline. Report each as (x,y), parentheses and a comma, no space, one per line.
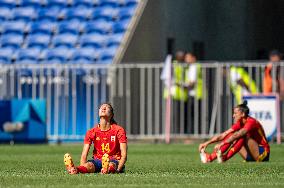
(68,162)
(105,164)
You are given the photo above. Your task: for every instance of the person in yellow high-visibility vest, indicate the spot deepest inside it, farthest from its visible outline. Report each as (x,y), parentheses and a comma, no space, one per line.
(193,84)
(177,91)
(241,83)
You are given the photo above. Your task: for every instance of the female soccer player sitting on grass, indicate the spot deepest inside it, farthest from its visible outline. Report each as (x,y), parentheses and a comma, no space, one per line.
(246,136)
(110,147)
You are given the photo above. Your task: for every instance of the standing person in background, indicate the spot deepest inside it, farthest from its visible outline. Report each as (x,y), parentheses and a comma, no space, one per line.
(241,83)
(177,92)
(268,82)
(193,84)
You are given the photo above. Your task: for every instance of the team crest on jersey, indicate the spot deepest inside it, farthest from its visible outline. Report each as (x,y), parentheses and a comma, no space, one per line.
(98,138)
(112,138)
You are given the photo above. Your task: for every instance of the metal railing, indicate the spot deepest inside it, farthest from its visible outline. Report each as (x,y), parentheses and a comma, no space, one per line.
(74,92)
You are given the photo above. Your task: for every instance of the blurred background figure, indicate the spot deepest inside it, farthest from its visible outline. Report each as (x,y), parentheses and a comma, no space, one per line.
(241,83)
(193,84)
(273,74)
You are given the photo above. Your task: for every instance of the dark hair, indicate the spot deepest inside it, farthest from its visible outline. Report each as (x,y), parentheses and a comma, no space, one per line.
(244,107)
(112,120)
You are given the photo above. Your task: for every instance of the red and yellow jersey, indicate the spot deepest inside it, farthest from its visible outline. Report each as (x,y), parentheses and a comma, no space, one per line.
(106,141)
(254,130)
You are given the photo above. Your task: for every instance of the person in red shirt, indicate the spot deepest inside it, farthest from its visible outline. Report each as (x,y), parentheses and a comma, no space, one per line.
(110,146)
(245,137)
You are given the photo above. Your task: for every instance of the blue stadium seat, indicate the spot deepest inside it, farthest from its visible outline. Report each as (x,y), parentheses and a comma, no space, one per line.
(32,3)
(99,26)
(28,54)
(87,53)
(65,39)
(114,40)
(8,3)
(38,40)
(107,13)
(126,13)
(14,27)
(48,14)
(92,40)
(12,40)
(130,3)
(59,54)
(120,27)
(83,3)
(57,4)
(26,72)
(108,54)
(73,27)
(26,14)
(6,55)
(109,3)
(43,27)
(5,13)
(78,13)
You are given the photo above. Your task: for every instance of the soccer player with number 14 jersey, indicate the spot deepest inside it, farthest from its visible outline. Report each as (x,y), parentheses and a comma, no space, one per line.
(110,147)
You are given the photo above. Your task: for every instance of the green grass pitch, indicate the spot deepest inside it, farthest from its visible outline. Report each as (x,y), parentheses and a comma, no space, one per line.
(148,165)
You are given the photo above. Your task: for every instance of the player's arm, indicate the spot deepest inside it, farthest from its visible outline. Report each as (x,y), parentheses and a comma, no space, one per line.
(122,161)
(242,132)
(216,138)
(84,155)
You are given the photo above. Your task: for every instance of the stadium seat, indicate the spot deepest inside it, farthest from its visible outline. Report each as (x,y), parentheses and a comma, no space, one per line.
(8,3)
(108,54)
(109,3)
(107,13)
(48,14)
(99,26)
(25,14)
(78,13)
(126,13)
(36,4)
(84,54)
(38,40)
(73,27)
(6,55)
(92,40)
(26,72)
(130,3)
(66,39)
(120,27)
(28,54)
(83,3)
(60,54)
(43,27)
(12,40)
(57,4)
(114,40)
(5,13)
(14,27)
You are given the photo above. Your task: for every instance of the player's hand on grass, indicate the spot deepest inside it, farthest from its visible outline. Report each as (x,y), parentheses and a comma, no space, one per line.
(202,146)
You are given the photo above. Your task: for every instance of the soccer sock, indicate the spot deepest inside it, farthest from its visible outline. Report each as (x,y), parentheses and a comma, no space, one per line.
(234,149)
(223,149)
(82,169)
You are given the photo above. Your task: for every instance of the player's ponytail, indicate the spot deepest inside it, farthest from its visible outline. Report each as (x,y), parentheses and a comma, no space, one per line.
(244,108)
